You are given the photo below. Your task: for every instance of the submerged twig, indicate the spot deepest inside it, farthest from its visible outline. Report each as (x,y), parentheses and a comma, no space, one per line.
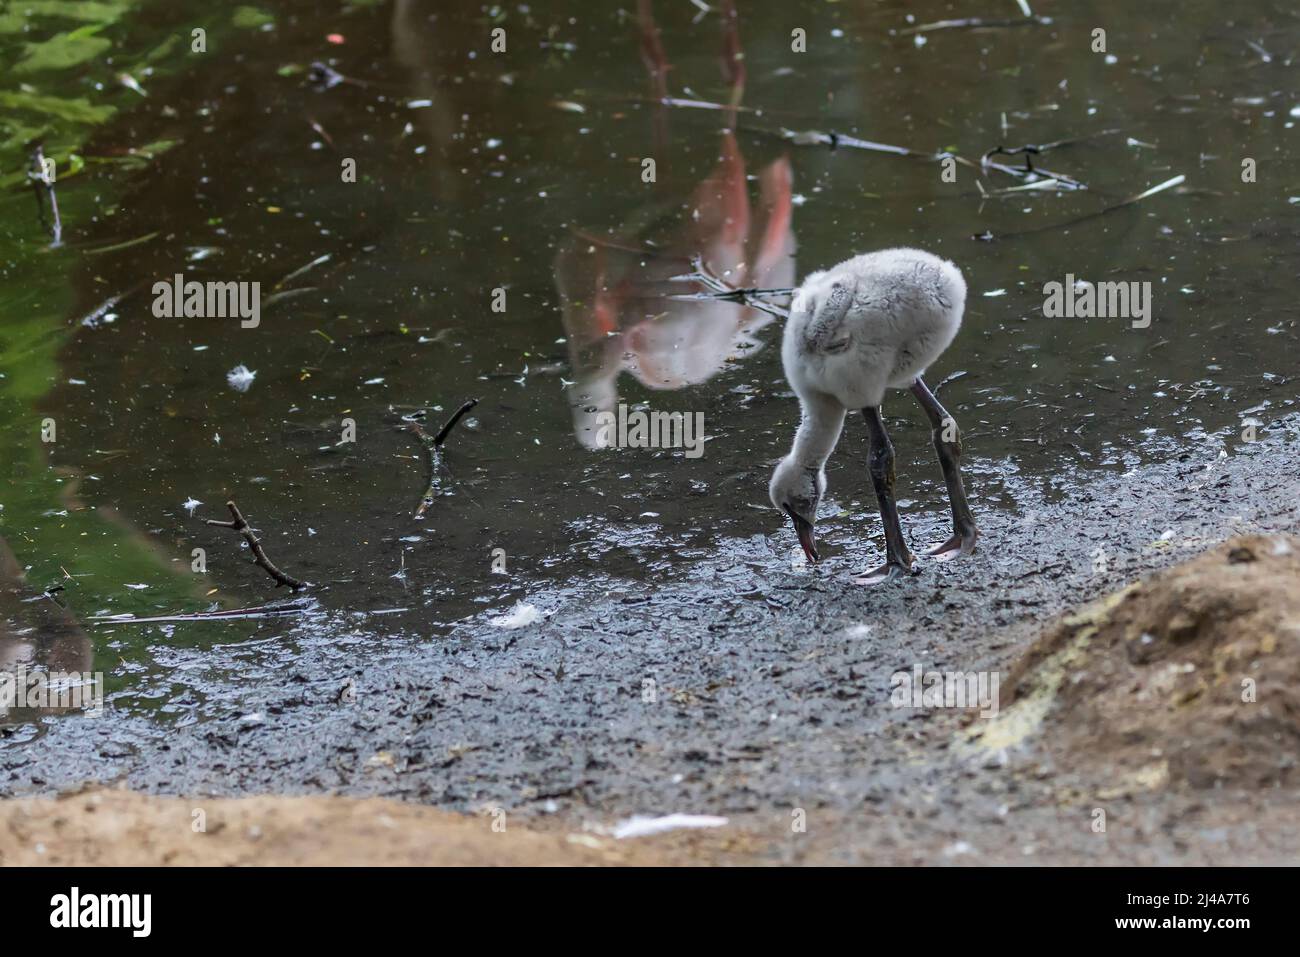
(241,526)
(39,174)
(433,445)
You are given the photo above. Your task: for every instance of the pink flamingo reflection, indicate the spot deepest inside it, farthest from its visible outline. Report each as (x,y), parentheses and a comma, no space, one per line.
(614,292)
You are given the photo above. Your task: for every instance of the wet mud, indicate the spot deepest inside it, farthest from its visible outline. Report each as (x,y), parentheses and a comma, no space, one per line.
(756,688)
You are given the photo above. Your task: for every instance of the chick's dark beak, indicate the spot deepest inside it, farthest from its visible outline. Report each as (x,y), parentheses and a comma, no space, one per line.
(803,528)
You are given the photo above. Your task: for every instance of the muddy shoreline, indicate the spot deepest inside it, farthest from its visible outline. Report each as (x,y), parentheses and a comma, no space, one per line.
(752,690)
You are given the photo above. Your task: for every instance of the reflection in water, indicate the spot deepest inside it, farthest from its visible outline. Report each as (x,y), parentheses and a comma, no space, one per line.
(423,50)
(35,634)
(615,290)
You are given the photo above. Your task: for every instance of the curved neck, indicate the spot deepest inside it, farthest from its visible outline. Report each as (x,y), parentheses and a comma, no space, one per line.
(819,430)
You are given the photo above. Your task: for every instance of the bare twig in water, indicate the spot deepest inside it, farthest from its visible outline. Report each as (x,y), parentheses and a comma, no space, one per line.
(1030,150)
(255,545)
(41,178)
(976,23)
(50,593)
(302,270)
(433,445)
(232,614)
(720,289)
(1160,188)
(836,140)
(949,378)
(450,424)
(320,131)
(101,312)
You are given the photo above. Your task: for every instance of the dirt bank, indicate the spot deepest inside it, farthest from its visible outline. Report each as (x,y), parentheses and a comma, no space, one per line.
(110,827)
(1188,678)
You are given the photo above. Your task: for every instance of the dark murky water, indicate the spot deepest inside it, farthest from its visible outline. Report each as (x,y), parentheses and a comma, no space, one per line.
(522,171)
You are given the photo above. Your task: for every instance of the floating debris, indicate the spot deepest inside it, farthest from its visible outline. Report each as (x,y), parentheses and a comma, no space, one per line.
(128,81)
(240,378)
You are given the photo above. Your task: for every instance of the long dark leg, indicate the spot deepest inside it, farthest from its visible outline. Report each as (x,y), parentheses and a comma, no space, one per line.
(947,442)
(898,560)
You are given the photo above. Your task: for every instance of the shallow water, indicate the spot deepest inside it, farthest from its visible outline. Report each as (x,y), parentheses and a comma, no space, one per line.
(523,171)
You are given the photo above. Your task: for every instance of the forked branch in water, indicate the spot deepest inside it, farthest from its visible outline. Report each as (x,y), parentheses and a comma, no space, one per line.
(433,445)
(241,526)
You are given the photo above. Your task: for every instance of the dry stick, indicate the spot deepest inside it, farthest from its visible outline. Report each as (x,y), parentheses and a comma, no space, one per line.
(433,445)
(41,177)
(259,556)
